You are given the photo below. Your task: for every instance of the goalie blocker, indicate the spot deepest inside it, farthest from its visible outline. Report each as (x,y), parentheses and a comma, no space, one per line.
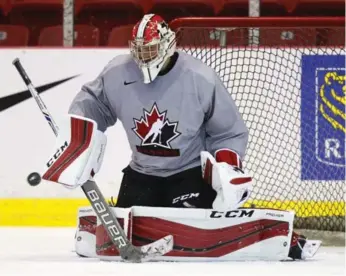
(78,152)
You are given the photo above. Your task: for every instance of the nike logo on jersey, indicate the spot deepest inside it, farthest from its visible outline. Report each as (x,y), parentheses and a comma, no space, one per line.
(130,82)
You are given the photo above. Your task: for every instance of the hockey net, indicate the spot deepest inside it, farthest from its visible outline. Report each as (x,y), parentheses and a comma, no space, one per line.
(287,77)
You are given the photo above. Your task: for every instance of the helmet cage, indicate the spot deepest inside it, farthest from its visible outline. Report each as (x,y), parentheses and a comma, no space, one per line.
(146,55)
(150,56)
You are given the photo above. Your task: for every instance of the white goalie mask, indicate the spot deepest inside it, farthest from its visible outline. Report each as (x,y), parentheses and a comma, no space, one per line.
(153,42)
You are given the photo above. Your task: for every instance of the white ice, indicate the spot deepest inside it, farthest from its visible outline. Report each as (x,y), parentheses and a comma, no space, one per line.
(49,252)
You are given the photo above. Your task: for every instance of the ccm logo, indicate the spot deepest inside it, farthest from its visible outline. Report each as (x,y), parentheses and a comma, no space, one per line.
(106,217)
(184,197)
(56,155)
(232,214)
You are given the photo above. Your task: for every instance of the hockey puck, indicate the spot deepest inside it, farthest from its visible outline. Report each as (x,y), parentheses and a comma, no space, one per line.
(34,179)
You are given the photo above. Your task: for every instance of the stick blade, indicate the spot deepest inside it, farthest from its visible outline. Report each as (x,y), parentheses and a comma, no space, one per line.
(157,248)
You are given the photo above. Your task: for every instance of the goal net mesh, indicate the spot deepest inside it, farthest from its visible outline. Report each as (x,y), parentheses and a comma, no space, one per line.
(292,97)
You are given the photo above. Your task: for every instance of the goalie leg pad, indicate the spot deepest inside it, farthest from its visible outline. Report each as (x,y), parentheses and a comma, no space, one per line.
(104,246)
(206,235)
(85,238)
(91,238)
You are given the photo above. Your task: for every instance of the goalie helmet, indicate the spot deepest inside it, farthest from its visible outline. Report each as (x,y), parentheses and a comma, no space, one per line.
(153,42)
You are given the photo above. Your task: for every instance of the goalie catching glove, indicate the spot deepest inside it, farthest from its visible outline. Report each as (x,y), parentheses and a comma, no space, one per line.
(78,152)
(225,174)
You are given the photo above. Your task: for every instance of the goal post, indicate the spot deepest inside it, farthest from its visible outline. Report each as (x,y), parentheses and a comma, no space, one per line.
(290,88)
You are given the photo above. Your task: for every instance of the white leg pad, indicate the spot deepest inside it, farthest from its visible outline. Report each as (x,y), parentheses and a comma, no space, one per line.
(310,248)
(85,238)
(206,235)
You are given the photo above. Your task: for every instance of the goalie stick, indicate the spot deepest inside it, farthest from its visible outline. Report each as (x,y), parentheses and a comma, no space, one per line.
(127,251)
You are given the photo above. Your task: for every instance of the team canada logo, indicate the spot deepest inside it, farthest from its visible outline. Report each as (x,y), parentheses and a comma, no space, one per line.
(156,132)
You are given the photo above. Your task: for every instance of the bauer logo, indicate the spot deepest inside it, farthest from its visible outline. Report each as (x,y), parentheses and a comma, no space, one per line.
(323,117)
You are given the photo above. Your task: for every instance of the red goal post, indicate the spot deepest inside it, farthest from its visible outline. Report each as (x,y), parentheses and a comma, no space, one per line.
(283,83)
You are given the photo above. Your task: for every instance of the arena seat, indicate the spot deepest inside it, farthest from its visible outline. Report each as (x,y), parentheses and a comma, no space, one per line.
(320,7)
(235,8)
(131,5)
(107,14)
(4,9)
(120,36)
(36,14)
(278,7)
(84,36)
(12,35)
(286,7)
(268,7)
(334,36)
(170,9)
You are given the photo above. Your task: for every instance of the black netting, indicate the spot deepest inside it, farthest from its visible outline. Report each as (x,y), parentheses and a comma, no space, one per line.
(293,103)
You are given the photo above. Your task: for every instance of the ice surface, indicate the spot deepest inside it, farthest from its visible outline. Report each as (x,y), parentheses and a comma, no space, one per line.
(49,252)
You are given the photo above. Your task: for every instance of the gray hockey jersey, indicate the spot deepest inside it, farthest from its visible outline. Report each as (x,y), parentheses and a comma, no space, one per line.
(169,121)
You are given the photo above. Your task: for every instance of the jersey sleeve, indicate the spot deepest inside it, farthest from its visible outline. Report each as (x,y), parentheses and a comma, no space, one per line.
(92,102)
(224,125)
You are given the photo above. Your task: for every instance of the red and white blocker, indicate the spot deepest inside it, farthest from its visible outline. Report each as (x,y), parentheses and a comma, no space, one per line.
(225,174)
(77,154)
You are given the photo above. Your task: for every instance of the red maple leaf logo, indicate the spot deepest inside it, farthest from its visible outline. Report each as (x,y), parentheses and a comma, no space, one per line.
(156,133)
(143,126)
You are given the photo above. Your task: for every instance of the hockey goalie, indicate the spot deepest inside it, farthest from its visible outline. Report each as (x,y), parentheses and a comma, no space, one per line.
(185,177)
